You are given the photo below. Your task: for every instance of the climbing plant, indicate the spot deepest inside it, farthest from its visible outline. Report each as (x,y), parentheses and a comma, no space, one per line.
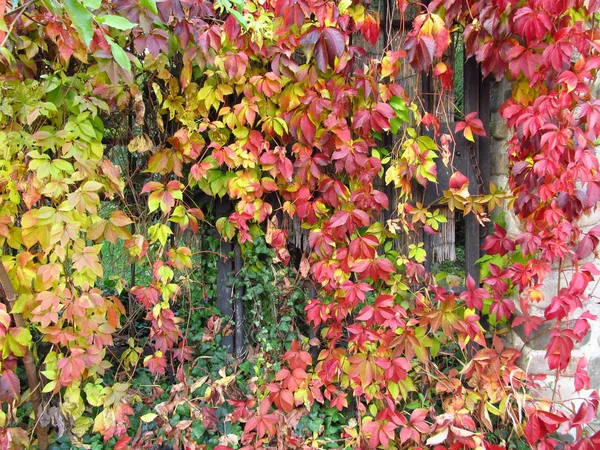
(165,109)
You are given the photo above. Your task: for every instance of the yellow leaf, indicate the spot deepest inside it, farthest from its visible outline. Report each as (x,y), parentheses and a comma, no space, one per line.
(147,418)
(469,134)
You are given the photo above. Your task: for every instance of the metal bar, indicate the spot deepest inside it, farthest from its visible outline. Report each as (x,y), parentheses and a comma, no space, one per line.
(224,276)
(472,79)
(238,309)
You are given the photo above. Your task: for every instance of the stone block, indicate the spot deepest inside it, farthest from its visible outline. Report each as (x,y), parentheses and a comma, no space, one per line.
(551,286)
(501,181)
(535,362)
(498,163)
(594,371)
(540,338)
(590,220)
(499,130)
(500,92)
(513,225)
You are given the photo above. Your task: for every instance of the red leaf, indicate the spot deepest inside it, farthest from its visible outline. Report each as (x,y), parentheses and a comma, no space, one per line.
(122,443)
(582,379)
(498,243)
(470,125)
(474,297)
(10,387)
(339,219)
(2,11)
(325,44)
(533,24)
(370,27)
(458,181)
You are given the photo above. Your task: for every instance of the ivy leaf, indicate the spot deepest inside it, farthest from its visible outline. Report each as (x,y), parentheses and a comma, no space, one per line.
(150,5)
(325,44)
(149,417)
(240,19)
(82,20)
(120,55)
(10,388)
(471,125)
(92,4)
(370,28)
(118,22)
(160,233)
(16,342)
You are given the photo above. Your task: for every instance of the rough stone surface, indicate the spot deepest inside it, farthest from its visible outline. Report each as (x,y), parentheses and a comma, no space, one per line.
(535,362)
(594,371)
(590,220)
(540,338)
(499,130)
(499,93)
(513,227)
(498,163)
(500,180)
(537,340)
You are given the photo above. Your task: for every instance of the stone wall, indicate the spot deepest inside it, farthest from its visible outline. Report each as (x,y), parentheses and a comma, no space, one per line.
(534,347)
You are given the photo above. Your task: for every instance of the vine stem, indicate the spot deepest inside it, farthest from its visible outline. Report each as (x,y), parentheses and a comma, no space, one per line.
(33,379)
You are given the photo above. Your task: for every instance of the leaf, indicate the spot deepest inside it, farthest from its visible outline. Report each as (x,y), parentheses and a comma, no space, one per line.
(81,19)
(149,417)
(471,125)
(123,443)
(370,28)
(17,341)
(92,4)
(118,22)
(239,18)
(10,388)
(149,5)
(325,44)
(438,438)
(94,394)
(119,219)
(120,55)
(91,186)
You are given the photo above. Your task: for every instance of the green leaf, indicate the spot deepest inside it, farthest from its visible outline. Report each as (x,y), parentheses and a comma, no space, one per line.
(82,20)
(21,335)
(400,108)
(7,54)
(150,5)
(425,142)
(49,387)
(16,342)
(240,19)
(225,228)
(94,394)
(160,233)
(118,22)
(395,125)
(120,56)
(92,4)
(393,390)
(52,6)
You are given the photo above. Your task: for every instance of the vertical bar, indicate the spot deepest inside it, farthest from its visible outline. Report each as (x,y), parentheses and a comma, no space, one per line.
(238,309)
(472,80)
(224,276)
(484,143)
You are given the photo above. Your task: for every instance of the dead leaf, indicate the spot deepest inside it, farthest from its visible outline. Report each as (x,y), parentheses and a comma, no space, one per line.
(304,268)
